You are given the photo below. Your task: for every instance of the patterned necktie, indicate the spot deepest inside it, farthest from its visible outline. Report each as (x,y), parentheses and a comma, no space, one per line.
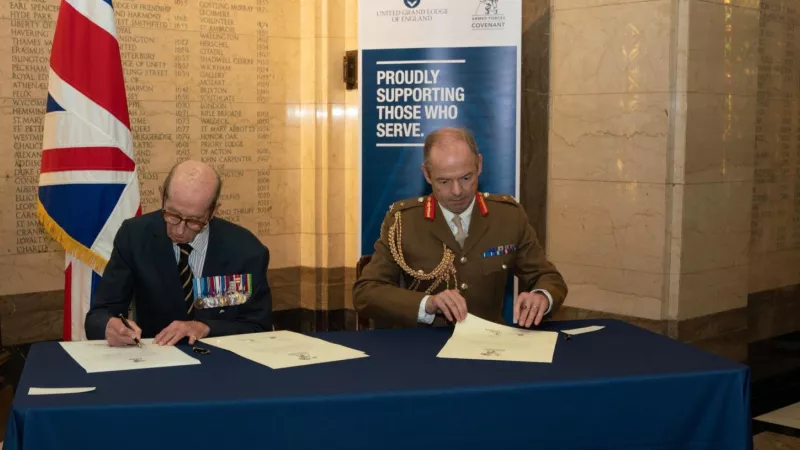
(461,235)
(186,273)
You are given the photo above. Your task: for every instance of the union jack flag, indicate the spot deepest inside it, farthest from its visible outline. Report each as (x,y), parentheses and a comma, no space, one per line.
(88,182)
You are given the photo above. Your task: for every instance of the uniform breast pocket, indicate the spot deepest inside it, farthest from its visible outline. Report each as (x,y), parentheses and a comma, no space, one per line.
(495,265)
(495,273)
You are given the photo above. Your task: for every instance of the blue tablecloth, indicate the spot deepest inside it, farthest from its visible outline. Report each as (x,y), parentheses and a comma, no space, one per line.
(618,388)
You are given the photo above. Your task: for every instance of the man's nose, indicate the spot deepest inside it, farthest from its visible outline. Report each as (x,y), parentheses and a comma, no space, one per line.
(457,188)
(180,228)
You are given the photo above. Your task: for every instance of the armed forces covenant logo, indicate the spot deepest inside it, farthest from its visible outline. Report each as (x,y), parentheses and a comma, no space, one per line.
(488,16)
(412,13)
(489,6)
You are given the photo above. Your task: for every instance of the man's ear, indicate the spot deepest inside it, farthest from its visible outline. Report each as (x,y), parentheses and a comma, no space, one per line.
(426,174)
(480,163)
(213,211)
(163,196)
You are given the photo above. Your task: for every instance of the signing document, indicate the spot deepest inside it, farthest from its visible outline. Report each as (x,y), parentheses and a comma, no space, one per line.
(282,349)
(98,356)
(476,338)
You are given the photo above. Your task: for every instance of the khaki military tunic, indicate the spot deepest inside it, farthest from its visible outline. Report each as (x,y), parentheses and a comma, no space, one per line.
(500,240)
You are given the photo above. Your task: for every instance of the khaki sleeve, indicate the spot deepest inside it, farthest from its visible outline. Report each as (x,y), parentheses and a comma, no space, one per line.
(532,267)
(377,294)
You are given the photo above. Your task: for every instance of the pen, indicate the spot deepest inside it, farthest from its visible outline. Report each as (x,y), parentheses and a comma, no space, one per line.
(128,326)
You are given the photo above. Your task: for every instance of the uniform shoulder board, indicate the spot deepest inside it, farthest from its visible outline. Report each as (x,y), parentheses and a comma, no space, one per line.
(402,205)
(500,198)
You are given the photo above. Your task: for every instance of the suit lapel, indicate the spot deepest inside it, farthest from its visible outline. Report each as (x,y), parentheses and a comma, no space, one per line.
(165,262)
(477,228)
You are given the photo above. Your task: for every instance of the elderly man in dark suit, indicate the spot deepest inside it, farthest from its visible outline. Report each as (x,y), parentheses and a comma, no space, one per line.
(189,274)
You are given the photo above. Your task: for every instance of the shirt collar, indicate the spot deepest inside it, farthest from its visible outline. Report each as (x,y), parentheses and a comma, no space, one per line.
(465,216)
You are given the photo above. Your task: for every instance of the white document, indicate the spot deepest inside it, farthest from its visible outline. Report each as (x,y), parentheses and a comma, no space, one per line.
(282,349)
(583,330)
(476,338)
(58,391)
(98,356)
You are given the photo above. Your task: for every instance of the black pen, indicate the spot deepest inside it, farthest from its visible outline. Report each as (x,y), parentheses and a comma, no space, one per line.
(128,326)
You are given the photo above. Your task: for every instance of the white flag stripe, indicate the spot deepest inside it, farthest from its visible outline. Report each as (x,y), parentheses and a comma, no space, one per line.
(81,296)
(86,177)
(85,109)
(98,12)
(66,130)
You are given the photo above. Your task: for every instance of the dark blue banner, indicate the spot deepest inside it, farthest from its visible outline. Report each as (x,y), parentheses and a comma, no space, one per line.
(407,93)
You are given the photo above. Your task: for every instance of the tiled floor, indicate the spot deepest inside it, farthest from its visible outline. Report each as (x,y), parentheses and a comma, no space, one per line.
(774,441)
(775,392)
(788,416)
(782,429)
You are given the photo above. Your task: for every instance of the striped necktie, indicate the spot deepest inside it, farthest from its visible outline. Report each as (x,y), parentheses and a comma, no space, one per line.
(186,273)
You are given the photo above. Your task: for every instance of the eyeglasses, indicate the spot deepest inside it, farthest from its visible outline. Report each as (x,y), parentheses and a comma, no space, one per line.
(175,219)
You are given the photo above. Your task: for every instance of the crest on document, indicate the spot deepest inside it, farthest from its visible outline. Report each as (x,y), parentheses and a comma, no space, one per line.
(488,16)
(303,356)
(412,3)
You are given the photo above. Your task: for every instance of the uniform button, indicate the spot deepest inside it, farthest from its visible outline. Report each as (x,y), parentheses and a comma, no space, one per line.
(464,286)
(463,260)
(505,267)
(421,199)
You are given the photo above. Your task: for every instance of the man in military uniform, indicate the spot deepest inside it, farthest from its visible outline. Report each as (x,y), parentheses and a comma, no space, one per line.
(450,253)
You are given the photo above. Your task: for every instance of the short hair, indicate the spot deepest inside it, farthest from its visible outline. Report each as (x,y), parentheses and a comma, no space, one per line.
(446,134)
(217,192)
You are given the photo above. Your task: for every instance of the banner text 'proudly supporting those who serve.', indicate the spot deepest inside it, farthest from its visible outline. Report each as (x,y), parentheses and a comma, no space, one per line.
(407,97)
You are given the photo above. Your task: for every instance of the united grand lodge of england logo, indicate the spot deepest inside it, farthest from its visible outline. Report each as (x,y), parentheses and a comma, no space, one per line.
(412,12)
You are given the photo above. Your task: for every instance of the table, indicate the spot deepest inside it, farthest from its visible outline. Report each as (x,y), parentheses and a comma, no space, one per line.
(619,388)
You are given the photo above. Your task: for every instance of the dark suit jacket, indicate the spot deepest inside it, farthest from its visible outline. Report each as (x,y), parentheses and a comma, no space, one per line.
(143,268)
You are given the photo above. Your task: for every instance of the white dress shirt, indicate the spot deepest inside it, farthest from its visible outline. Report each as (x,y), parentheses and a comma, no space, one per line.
(198,256)
(466,217)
